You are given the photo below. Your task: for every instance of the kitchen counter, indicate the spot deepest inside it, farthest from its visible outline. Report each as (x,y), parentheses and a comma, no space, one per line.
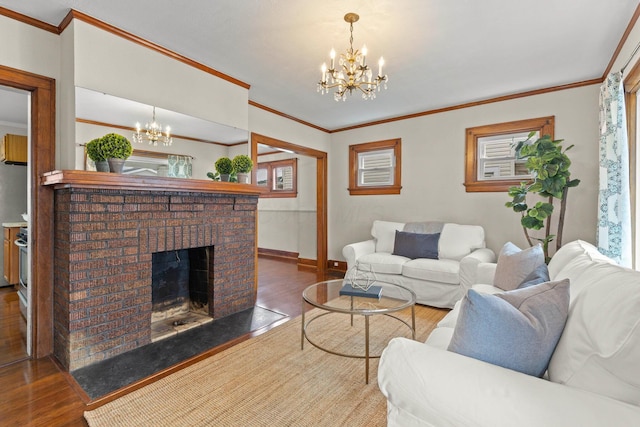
(14,224)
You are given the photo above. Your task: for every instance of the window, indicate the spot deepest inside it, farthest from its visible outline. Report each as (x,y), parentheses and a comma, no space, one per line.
(279,178)
(375,168)
(490,163)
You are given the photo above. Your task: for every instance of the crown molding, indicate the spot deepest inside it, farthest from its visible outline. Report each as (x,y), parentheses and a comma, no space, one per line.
(28,20)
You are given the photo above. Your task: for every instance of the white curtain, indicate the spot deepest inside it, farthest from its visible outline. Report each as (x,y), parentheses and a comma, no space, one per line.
(614,213)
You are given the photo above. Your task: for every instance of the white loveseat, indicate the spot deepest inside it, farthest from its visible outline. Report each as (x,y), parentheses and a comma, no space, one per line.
(593,376)
(437,282)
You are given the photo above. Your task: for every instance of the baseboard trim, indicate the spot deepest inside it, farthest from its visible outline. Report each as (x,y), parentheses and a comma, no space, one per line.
(286,256)
(307,264)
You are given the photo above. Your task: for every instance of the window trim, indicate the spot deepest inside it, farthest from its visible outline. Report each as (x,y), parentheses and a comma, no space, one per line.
(356,149)
(268,191)
(544,125)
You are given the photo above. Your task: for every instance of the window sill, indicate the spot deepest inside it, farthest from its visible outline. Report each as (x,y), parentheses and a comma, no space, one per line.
(368,191)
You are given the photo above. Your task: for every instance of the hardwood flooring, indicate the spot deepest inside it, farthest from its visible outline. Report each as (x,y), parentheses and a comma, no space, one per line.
(13,328)
(38,393)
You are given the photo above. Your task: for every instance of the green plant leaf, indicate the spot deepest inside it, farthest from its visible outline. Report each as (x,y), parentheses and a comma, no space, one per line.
(531,222)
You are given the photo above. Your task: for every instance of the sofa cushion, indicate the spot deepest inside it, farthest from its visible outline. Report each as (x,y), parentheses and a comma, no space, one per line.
(569,252)
(515,264)
(380,262)
(516,330)
(416,245)
(599,349)
(443,270)
(458,241)
(385,234)
(539,275)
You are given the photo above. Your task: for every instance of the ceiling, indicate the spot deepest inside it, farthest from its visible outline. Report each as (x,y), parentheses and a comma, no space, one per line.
(438,53)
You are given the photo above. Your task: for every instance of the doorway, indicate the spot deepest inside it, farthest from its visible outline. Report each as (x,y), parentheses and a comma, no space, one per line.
(40,204)
(321,188)
(14,118)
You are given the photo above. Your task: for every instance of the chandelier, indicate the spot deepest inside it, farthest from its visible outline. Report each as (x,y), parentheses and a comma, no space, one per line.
(354,73)
(153,132)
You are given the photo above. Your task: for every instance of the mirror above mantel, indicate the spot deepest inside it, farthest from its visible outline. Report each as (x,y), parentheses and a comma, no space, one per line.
(195,140)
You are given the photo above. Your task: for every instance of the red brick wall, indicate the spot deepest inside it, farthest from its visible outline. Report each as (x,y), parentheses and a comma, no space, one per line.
(104,239)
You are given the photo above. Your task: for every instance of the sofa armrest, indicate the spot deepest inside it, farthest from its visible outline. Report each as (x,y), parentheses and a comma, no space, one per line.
(469,266)
(354,251)
(430,386)
(486,272)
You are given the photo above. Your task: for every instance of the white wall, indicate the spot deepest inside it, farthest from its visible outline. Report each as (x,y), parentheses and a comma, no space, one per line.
(433,150)
(27,48)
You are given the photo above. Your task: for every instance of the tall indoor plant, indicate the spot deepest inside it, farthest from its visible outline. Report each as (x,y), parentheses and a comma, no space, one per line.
(116,148)
(551,179)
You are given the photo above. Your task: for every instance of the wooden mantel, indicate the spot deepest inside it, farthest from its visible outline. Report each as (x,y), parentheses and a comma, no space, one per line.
(90,179)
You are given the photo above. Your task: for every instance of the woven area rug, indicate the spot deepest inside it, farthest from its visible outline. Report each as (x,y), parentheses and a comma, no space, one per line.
(269,381)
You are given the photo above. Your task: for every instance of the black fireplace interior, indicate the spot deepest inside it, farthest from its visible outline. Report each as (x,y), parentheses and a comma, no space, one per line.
(180,277)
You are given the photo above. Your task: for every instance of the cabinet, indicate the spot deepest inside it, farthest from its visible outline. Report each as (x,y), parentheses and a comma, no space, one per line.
(14,149)
(11,252)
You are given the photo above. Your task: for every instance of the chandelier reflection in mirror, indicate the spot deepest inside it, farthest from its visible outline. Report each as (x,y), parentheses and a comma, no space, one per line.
(153,133)
(354,73)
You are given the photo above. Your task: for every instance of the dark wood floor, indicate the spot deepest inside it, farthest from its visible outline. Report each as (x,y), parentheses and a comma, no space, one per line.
(37,393)
(13,343)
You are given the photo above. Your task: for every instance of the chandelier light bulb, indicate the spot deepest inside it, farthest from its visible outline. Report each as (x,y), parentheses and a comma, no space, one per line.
(352,72)
(153,133)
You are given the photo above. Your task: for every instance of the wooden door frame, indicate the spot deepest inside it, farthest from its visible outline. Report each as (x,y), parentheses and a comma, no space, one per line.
(321,188)
(43,144)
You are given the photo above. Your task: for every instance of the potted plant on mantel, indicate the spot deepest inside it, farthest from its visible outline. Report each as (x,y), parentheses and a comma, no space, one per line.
(224,167)
(242,164)
(551,179)
(94,151)
(116,148)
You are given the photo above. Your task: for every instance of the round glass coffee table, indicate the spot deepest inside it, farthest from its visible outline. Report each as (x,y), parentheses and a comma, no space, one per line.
(327,296)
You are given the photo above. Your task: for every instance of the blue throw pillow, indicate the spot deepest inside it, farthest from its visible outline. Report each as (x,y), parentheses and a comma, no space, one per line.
(537,276)
(416,245)
(518,330)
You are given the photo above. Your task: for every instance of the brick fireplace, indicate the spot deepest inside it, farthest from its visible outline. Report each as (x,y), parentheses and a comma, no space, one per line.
(107,227)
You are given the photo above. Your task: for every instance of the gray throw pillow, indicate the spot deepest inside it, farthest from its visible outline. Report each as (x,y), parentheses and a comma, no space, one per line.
(515,264)
(416,245)
(517,330)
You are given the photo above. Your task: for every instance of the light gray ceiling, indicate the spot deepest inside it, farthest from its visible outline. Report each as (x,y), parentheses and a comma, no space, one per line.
(438,53)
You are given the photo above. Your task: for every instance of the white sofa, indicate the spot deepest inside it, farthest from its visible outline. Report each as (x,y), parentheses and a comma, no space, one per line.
(593,375)
(437,282)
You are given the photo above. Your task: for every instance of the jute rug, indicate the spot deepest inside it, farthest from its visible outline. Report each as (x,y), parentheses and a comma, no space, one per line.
(269,381)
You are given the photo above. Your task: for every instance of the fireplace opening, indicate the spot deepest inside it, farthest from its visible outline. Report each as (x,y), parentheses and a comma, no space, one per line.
(180,291)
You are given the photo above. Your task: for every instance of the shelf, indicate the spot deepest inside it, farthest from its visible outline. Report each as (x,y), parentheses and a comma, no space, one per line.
(90,179)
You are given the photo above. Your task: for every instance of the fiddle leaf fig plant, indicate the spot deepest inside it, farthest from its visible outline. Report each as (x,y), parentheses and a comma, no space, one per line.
(548,165)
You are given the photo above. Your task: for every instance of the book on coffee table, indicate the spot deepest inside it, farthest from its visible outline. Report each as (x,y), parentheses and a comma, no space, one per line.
(372,292)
